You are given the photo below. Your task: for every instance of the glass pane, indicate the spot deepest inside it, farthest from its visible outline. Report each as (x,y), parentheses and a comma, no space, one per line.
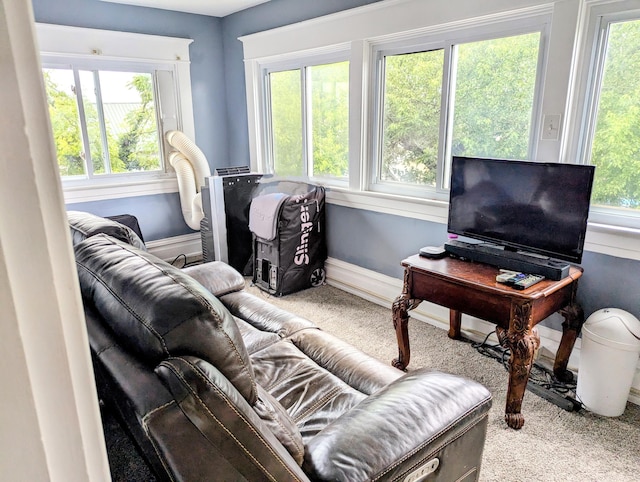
(616,144)
(494,93)
(286,122)
(330,119)
(89,102)
(130,120)
(411,117)
(65,124)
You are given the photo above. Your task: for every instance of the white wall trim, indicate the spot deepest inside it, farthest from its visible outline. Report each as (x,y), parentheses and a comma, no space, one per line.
(169,248)
(382,290)
(80,194)
(51,427)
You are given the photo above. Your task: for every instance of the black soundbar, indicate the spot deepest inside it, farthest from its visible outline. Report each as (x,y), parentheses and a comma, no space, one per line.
(549,268)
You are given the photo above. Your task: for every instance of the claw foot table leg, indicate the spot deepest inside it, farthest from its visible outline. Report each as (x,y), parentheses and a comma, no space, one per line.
(400,311)
(522,340)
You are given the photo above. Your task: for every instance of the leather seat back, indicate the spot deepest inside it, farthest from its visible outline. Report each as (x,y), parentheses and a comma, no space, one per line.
(156,311)
(84,225)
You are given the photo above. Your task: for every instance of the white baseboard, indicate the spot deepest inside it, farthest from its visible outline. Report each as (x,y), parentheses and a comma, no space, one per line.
(383,290)
(168,249)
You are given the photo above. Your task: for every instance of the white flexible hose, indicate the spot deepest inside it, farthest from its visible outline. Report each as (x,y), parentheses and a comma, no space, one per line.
(194,155)
(191,168)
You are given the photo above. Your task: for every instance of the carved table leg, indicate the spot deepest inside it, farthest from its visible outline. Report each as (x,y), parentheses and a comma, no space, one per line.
(400,312)
(523,341)
(573,320)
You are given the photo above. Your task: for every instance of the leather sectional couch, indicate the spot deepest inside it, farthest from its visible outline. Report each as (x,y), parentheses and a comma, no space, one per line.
(215,384)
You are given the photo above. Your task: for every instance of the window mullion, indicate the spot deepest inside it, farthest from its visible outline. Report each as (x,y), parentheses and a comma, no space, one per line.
(587,135)
(307,135)
(88,162)
(446,116)
(102,123)
(378,137)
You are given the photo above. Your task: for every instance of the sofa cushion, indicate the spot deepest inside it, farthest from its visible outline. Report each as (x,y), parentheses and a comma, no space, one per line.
(155,310)
(219,278)
(83,225)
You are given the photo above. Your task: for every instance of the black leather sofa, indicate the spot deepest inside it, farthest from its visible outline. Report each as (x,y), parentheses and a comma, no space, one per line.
(215,384)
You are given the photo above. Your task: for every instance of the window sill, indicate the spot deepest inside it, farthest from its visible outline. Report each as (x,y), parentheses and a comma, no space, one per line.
(118,189)
(601,238)
(410,207)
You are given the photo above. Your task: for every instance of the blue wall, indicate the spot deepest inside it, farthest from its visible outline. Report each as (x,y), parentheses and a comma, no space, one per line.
(159,216)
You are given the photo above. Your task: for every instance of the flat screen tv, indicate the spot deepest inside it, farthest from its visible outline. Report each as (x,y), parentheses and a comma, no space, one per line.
(533,207)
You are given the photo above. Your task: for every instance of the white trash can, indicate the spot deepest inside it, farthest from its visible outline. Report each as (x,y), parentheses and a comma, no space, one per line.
(608,360)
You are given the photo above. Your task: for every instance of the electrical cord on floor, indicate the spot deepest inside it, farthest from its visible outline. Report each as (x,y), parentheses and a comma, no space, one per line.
(175,260)
(551,388)
(185,264)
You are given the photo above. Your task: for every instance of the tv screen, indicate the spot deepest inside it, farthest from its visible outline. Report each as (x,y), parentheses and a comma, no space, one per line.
(537,207)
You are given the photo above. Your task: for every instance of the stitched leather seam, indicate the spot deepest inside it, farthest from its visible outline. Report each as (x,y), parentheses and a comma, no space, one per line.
(421,446)
(108,347)
(287,432)
(230,405)
(331,394)
(195,395)
(153,443)
(126,306)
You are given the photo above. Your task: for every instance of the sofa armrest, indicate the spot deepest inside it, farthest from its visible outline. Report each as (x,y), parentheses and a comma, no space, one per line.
(217,277)
(395,431)
(242,445)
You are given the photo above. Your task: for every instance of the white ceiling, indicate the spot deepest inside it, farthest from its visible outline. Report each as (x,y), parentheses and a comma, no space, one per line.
(214,8)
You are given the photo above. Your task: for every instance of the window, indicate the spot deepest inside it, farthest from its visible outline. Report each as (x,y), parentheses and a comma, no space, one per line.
(104,122)
(462,99)
(308,130)
(613,144)
(112,96)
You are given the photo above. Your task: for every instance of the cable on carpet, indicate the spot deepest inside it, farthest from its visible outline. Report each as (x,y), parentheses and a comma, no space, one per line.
(539,375)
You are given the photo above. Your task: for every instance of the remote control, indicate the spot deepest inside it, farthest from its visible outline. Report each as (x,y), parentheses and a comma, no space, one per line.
(528,280)
(510,278)
(505,276)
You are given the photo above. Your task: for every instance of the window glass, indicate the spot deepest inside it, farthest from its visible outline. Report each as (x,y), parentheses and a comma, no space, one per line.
(615,149)
(114,111)
(92,121)
(411,117)
(465,99)
(130,119)
(63,111)
(329,85)
(494,94)
(286,122)
(309,121)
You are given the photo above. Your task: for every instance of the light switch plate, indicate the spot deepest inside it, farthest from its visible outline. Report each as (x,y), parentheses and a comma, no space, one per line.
(551,127)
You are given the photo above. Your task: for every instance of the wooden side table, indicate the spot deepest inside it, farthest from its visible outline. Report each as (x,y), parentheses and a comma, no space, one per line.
(471,288)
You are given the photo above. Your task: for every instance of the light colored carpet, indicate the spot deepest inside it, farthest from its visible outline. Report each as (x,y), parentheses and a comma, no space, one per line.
(553,445)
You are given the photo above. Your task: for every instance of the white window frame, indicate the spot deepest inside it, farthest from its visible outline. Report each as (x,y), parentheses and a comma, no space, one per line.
(284,63)
(446,39)
(599,16)
(104,49)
